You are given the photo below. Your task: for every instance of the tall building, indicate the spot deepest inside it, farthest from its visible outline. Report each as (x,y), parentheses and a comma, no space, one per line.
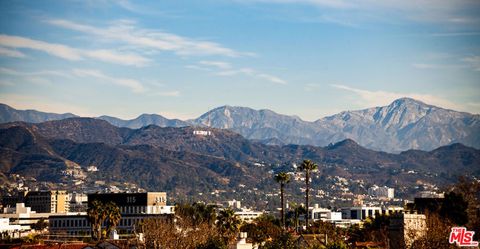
(55,201)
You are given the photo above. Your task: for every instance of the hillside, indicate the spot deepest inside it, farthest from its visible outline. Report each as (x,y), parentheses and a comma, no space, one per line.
(177,160)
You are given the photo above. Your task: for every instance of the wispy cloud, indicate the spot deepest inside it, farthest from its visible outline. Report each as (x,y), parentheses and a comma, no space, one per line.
(11,53)
(222,68)
(218,64)
(59,50)
(252,73)
(196,67)
(271,78)
(134,85)
(127,33)
(9,71)
(128,59)
(380,98)
(72,54)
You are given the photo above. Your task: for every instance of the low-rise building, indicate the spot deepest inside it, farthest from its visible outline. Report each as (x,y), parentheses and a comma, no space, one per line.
(364,212)
(134,207)
(247,215)
(23,216)
(324,214)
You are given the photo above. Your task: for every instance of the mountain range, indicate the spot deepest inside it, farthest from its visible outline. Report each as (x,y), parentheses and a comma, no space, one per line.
(403,125)
(185,162)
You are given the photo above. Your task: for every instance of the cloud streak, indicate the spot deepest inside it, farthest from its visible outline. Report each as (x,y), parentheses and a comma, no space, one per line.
(222,68)
(127,33)
(72,54)
(11,53)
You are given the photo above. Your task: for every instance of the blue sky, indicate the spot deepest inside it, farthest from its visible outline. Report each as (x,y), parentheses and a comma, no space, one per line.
(309,58)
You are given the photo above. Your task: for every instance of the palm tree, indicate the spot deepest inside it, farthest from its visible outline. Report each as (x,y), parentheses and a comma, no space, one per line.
(113,216)
(95,214)
(228,223)
(307,166)
(282,178)
(206,213)
(297,211)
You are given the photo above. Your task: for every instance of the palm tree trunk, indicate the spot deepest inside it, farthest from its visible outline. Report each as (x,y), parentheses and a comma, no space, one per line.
(307,180)
(282,212)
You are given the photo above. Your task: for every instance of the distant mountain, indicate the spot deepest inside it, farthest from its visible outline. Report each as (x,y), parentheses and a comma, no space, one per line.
(145,120)
(9,114)
(183,161)
(403,125)
(260,125)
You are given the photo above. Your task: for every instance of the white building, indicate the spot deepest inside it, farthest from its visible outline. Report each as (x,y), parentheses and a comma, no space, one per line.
(247,215)
(9,230)
(324,214)
(23,217)
(381,192)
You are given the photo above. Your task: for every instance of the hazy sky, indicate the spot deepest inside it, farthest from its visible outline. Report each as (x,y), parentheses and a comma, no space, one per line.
(310,58)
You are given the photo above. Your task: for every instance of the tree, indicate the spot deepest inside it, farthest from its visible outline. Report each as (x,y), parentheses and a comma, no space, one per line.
(282,178)
(40,225)
(99,212)
(213,243)
(263,228)
(454,208)
(307,166)
(228,224)
(113,216)
(294,214)
(284,241)
(330,232)
(470,190)
(94,212)
(192,226)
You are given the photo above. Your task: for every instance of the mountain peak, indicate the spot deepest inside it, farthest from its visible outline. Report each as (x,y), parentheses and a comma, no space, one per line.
(408,101)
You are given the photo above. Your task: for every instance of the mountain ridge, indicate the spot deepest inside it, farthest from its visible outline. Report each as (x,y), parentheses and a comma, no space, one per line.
(404,124)
(185,162)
